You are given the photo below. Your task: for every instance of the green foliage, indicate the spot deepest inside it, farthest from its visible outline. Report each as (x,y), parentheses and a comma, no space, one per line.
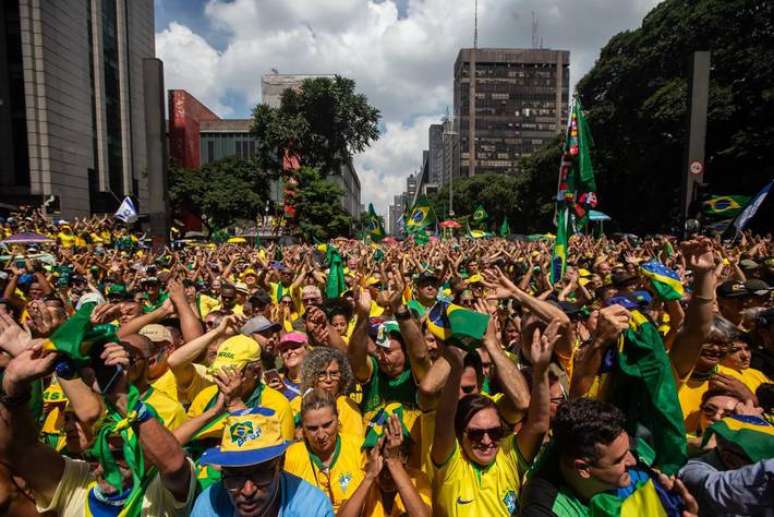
(222,191)
(318,208)
(325,122)
(636,101)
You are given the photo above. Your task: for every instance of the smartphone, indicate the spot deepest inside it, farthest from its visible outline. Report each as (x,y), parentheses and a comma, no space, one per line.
(105,375)
(270,376)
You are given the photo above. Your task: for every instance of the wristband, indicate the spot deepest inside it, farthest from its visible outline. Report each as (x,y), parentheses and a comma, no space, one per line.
(403,315)
(14,402)
(142,413)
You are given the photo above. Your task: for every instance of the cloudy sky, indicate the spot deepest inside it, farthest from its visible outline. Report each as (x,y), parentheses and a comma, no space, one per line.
(400,52)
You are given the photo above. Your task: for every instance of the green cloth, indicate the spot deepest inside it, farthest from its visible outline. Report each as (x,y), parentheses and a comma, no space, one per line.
(381,390)
(74,338)
(375,227)
(480,215)
(505,228)
(644,389)
(336,284)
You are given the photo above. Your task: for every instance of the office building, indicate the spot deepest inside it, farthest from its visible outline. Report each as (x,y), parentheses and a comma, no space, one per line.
(274,84)
(73,103)
(197,136)
(435,156)
(396,210)
(519,102)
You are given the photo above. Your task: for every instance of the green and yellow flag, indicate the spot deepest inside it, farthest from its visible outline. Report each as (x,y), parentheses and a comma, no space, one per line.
(374,222)
(752,434)
(725,206)
(422,215)
(479,215)
(456,324)
(643,387)
(76,336)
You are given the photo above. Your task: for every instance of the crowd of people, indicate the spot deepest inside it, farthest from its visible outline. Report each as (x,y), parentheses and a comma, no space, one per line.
(240,380)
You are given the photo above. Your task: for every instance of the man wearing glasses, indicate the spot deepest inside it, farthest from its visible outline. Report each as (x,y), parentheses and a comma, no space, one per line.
(253,483)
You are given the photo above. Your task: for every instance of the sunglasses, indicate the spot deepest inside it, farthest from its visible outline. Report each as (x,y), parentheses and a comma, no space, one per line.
(468,389)
(477,435)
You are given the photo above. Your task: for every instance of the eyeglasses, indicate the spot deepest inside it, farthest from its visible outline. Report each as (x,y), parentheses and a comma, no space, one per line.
(261,476)
(334,375)
(468,389)
(495,434)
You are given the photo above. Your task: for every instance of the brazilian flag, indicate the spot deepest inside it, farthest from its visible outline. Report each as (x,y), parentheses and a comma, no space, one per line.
(480,215)
(456,324)
(643,387)
(725,206)
(752,434)
(422,215)
(375,429)
(75,337)
(375,227)
(643,496)
(336,284)
(505,228)
(664,281)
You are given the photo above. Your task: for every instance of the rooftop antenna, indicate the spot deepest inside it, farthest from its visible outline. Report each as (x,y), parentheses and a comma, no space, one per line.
(475,25)
(534,31)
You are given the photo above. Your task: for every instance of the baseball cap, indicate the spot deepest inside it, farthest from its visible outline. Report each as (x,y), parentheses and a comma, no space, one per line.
(757,287)
(294,337)
(259,324)
(236,351)
(156,333)
(250,437)
(383,334)
(732,289)
(622,277)
(748,264)
(241,287)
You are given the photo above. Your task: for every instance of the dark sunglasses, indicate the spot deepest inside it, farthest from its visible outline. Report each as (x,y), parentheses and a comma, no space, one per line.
(495,434)
(468,389)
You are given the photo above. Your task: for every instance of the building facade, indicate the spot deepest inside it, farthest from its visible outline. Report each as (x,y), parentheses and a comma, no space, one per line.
(72,102)
(507,103)
(274,84)
(435,153)
(197,136)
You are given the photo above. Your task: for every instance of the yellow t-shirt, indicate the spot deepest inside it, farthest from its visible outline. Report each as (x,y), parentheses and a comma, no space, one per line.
(373,506)
(66,240)
(690,392)
(461,488)
(72,494)
(168,384)
(169,409)
(269,398)
(751,377)
(341,479)
(350,418)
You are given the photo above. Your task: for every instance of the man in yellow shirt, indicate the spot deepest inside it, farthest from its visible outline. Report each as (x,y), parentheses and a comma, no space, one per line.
(243,354)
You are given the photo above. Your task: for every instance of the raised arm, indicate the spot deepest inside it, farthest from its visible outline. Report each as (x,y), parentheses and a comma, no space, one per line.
(415,341)
(698,319)
(444,439)
(190,326)
(512,381)
(357,352)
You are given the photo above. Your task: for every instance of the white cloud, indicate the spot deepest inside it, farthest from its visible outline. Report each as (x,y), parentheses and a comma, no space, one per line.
(403,64)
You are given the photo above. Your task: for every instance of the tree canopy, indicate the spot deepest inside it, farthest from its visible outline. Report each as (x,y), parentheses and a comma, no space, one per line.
(222,191)
(636,97)
(324,121)
(318,211)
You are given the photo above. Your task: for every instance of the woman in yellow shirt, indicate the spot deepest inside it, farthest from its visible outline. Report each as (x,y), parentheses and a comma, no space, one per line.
(328,369)
(480,462)
(326,458)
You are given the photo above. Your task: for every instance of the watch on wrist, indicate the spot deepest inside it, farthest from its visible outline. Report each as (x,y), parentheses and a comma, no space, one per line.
(403,314)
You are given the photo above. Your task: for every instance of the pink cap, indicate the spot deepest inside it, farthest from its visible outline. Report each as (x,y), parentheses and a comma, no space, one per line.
(294,337)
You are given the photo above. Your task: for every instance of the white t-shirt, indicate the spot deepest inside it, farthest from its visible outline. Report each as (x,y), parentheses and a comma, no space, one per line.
(72,494)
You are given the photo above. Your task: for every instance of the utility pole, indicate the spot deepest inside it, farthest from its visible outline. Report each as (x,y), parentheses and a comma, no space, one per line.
(694,165)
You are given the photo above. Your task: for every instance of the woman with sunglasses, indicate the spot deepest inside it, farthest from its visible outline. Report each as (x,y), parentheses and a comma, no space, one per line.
(326,458)
(292,348)
(479,461)
(328,369)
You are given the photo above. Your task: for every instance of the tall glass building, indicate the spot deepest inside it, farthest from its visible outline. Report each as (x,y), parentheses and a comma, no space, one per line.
(72,105)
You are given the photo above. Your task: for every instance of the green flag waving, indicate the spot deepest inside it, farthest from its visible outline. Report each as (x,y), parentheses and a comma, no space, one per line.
(576,194)
(374,222)
(336,283)
(480,215)
(505,228)
(422,215)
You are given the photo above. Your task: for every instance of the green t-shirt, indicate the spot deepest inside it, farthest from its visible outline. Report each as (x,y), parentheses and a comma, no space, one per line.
(381,390)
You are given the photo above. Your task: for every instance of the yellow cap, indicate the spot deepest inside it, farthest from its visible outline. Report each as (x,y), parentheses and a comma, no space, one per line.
(372,280)
(250,437)
(236,351)
(474,279)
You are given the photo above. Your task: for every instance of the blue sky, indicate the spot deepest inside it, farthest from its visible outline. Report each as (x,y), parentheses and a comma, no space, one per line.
(400,52)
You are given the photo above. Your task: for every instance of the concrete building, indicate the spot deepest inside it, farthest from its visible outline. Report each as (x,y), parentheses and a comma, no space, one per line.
(274,84)
(519,102)
(396,211)
(197,136)
(72,102)
(435,153)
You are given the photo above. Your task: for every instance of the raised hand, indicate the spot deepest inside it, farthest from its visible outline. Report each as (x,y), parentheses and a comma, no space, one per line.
(13,338)
(542,346)
(31,364)
(613,320)
(393,435)
(375,461)
(105,313)
(699,254)
(229,382)
(362,302)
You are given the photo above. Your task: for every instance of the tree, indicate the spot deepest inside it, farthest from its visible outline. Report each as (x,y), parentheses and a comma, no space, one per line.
(636,98)
(325,122)
(221,191)
(318,207)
